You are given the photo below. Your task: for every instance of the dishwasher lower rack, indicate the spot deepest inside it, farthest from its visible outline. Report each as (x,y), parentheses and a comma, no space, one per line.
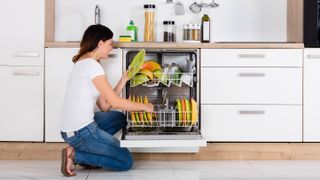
(165,119)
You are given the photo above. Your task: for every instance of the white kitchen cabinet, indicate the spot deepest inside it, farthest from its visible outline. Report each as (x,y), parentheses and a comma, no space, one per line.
(252,123)
(311,119)
(22,32)
(251,86)
(251,57)
(21,69)
(58,63)
(252,95)
(22,102)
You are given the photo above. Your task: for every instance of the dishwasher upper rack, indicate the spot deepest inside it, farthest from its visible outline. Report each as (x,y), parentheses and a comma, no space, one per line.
(166,79)
(164,118)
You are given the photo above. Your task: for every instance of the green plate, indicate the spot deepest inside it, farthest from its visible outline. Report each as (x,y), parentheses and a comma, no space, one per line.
(136,63)
(138,79)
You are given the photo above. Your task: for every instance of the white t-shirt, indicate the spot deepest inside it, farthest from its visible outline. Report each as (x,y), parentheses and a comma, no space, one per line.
(81,95)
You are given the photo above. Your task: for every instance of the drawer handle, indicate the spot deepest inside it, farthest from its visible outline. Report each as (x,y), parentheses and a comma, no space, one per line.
(313,56)
(114,53)
(26,73)
(26,54)
(250,56)
(254,112)
(252,74)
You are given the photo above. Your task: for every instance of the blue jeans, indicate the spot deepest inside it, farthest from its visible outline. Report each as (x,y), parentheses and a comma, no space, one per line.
(94,144)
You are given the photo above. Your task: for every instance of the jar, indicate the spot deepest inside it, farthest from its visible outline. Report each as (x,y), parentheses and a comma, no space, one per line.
(190,32)
(169,31)
(149,22)
(198,27)
(196,30)
(185,32)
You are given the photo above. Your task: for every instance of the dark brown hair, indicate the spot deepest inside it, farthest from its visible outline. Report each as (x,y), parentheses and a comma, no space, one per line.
(91,38)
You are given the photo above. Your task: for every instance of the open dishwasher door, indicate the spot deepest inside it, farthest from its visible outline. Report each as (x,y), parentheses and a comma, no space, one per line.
(169,79)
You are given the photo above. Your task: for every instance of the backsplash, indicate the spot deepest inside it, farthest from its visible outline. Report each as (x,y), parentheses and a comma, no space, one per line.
(233,21)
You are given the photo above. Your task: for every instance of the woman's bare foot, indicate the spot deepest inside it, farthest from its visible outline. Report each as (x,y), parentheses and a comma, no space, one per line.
(70,158)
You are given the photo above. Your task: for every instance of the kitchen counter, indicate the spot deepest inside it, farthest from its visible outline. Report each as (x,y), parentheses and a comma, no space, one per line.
(187,45)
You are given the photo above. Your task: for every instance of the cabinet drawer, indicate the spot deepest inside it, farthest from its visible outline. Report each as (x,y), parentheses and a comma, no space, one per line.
(251,123)
(251,57)
(251,86)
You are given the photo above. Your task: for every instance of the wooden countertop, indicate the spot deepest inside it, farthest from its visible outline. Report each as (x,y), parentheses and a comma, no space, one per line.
(182,45)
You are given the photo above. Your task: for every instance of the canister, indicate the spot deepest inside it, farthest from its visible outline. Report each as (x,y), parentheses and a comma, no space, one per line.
(169,31)
(149,22)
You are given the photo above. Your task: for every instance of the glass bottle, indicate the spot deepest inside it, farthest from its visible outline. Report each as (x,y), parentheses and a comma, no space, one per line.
(205,28)
(149,23)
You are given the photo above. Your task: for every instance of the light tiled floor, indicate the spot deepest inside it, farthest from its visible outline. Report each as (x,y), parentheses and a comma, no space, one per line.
(174,170)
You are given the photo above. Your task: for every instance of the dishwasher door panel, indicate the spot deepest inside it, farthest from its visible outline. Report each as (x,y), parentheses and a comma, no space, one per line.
(164,130)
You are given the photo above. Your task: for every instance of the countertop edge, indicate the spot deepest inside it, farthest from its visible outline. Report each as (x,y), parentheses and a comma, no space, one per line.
(154,45)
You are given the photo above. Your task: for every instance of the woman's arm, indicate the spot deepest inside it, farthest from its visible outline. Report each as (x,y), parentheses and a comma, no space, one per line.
(109,95)
(105,106)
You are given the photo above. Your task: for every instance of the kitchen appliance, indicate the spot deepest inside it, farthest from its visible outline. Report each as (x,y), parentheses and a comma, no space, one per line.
(171,126)
(312,23)
(179,8)
(196,7)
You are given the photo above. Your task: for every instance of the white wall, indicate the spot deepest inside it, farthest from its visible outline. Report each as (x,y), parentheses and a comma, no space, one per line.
(234,20)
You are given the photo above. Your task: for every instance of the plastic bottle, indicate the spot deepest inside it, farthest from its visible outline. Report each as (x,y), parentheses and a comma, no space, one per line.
(133,31)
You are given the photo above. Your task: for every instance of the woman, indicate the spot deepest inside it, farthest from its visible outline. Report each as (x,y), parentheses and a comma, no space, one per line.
(91,142)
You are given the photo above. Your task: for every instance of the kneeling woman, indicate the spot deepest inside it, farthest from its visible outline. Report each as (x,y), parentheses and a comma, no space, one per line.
(88,134)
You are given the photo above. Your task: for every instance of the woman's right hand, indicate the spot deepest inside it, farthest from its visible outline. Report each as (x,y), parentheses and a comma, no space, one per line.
(149,107)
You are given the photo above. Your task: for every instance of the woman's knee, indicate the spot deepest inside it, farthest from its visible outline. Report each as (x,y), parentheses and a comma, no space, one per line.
(128,164)
(120,117)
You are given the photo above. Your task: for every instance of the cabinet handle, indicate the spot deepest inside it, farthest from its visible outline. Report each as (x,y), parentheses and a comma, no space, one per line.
(252,74)
(252,112)
(25,73)
(313,56)
(113,53)
(255,56)
(26,54)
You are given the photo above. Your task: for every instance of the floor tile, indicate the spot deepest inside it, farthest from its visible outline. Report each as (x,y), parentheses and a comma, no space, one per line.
(171,170)
(287,169)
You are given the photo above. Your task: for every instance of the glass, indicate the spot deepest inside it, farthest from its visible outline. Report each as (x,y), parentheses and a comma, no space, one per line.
(149,23)
(169,32)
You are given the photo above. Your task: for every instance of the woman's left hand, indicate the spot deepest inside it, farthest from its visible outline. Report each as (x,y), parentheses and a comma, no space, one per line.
(125,76)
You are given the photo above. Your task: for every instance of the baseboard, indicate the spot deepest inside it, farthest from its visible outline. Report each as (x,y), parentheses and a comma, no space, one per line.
(214,151)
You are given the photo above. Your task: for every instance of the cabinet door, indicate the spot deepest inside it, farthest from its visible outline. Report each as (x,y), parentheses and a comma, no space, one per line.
(5,118)
(59,64)
(22,118)
(251,86)
(251,123)
(22,32)
(311,95)
(251,57)
(113,66)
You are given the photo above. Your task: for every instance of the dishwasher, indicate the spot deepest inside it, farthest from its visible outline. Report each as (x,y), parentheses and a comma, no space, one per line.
(173,89)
